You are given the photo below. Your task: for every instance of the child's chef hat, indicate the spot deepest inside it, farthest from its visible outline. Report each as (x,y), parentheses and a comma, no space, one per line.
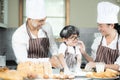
(35,9)
(107,12)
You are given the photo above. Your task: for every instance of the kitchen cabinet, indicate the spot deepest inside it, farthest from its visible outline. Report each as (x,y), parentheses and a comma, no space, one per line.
(3,13)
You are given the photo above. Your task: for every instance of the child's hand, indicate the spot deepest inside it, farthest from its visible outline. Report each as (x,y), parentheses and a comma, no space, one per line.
(67,71)
(55,62)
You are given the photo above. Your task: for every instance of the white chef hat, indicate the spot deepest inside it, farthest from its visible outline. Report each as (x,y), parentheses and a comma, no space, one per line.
(35,9)
(107,12)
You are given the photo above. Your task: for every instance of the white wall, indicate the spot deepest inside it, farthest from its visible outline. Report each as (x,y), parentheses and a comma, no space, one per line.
(13,15)
(83,13)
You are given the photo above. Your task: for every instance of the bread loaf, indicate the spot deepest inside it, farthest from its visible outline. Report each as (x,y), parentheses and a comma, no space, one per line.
(36,68)
(109,73)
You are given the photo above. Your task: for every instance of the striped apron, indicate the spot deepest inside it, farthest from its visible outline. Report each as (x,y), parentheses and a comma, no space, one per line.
(107,55)
(71,59)
(38,47)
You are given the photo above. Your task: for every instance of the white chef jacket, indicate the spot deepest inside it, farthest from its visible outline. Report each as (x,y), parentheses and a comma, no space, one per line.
(63,47)
(112,45)
(20,41)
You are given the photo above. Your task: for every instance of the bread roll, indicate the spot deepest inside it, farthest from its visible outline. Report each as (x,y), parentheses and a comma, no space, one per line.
(109,73)
(10,75)
(112,71)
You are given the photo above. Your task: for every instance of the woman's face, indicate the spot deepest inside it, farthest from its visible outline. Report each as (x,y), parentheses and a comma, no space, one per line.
(72,40)
(105,29)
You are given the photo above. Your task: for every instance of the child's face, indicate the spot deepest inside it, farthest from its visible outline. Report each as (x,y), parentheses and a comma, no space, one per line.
(72,40)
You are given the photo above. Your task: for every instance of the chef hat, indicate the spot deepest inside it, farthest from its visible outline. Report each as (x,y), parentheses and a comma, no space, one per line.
(35,9)
(107,12)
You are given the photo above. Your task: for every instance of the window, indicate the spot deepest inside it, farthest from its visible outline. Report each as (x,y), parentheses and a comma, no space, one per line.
(57,14)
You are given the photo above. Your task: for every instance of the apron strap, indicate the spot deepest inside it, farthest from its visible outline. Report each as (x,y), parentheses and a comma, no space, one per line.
(66,51)
(101,41)
(117,46)
(28,30)
(45,33)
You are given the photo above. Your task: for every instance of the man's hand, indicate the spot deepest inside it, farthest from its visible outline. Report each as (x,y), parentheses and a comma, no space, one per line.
(55,62)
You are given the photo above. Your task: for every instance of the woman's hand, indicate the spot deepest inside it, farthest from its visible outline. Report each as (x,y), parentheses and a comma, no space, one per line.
(89,66)
(82,46)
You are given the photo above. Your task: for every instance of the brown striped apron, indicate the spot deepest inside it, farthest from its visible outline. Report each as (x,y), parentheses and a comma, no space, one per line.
(107,55)
(38,47)
(71,59)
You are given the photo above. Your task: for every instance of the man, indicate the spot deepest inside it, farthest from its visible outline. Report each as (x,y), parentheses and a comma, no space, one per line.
(34,39)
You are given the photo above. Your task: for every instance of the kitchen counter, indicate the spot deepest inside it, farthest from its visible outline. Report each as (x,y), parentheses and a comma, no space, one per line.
(79,78)
(56,71)
(13,65)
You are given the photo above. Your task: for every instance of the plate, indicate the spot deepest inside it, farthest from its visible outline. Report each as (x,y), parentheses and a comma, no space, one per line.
(85,78)
(81,73)
(82,77)
(117,77)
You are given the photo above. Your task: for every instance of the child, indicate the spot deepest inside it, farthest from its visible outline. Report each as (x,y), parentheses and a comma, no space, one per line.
(70,49)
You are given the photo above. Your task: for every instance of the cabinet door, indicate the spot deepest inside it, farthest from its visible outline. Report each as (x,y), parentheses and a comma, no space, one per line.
(3,13)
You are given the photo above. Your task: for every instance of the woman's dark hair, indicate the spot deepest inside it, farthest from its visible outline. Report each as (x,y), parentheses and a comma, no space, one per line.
(117,27)
(69,30)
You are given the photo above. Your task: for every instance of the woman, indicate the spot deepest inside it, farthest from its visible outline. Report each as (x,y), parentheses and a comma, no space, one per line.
(106,48)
